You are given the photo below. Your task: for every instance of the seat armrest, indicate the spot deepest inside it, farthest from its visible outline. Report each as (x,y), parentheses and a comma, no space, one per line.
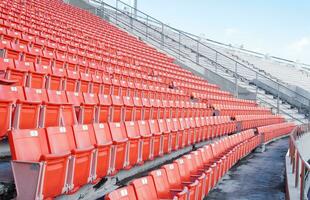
(186,183)
(50,103)
(47,157)
(103,145)
(7,82)
(146,136)
(88,104)
(85,150)
(27,102)
(134,137)
(158,133)
(176,190)
(119,141)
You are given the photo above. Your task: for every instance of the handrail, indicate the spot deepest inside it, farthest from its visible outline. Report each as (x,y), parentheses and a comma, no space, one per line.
(150,37)
(148,17)
(178,52)
(112,14)
(300,166)
(296,119)
(246,50)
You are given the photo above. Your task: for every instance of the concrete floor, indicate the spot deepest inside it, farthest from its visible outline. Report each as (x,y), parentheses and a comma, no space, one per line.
(259,176)
(304,146)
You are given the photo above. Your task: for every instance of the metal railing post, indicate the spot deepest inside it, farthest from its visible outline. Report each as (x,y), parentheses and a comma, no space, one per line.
(302,180)
(147,27)
(162,35)
(278,99)
(197,52)
(309,112)
(116,12)
(103,13)
(236,80)
(256,90)
(180,46)
(131,19)
(136,7)
(297,170)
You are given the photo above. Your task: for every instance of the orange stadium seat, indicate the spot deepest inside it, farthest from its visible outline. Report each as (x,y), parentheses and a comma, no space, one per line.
(82,100)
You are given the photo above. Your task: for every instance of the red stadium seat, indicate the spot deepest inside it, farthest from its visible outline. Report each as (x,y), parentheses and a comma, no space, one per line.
(135,150)
(62,140)
(26,112)
(187,178)
(102,141)
(117,103)
(89,108)
(145,188)
(82,101)
(104,108)
(146,108)
(57,110)
(85,82)
(72,81)
(163,189)
(138,108)
(166,134)
(157,135)
(146,135)
(128,108)
(34,165)
(124,193)
(120,142)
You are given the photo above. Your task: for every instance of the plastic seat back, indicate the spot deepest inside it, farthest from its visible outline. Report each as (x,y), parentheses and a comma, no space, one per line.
(132,129)
(75,98)
(82,136)
(28,145)
(185,173)
(11,93)
(154,128)
(124,193)
(101,134)
(35,95)
(117,103)
(118,131)
(55,96)
(161,183)
(144,128)
(60,139)
(145,188)
(105,103)
(173,176)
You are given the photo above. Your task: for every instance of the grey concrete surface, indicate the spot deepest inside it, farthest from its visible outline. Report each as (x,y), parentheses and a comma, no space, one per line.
(303,145)
(260,176)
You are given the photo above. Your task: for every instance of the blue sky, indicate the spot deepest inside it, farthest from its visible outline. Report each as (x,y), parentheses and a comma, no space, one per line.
(277,27)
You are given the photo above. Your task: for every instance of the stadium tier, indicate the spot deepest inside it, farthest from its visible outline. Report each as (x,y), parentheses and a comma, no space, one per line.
(82,100)
(285,92)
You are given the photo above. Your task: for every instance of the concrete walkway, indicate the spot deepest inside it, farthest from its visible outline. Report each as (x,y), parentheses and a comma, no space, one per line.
(259,176)
(304,146)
